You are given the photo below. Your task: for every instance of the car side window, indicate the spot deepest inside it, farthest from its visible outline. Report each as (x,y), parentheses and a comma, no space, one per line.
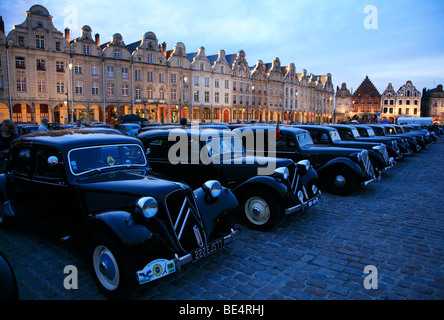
(285,143)
(345,134)
(158,149)
(42,167)
(21,161)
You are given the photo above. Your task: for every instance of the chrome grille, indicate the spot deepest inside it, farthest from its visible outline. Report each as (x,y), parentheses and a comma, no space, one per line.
(185,220)
(367,164)
(384,153)
(293,178)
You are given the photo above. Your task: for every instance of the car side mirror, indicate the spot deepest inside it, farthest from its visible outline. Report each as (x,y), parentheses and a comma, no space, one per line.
(53,160)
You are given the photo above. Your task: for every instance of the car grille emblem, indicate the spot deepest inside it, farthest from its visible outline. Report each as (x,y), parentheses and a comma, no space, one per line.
(198,236)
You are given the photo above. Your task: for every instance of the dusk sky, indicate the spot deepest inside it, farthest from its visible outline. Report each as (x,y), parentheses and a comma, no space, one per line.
(390,41)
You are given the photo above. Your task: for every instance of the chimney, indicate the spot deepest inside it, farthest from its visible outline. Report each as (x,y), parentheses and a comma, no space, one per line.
(164,49)
(2,25)
(67,34)
(97,39)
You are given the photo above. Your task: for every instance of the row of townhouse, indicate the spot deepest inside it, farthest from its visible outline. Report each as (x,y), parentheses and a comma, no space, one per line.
(45,73)
(366,104)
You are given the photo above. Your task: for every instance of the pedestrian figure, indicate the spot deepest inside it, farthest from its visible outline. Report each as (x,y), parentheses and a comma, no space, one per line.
(183,123)
(44,125)
(7,135)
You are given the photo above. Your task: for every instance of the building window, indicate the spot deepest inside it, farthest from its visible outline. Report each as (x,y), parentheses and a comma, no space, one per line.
(41,65)
(227,98)
(227,84)
(21,84)
(201,66)
(196,81)
(57,46)
(95,89)
(173,94)
(41,85)
(125,90)
(78,69)
(40,42)
(20,63)
(207,82)
(138,94)
(173,78)
(124,73)
(21,41)
(150,94)
(79,87)
(150,58)
(162,94)
(110,89)
(110,72)
(222,69)
(161,77)
(216,97)
(86,50)
(150,76)
(138,75)
(415,111)
(400,111)
(216,83)
(60,87)
(185,95)
(94,70)
(207,96)
(60,66)
(196,95)
(116,54)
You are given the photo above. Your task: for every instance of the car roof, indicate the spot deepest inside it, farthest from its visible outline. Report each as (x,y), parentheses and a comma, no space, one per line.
(273,127)
(68,139)
(189,131)
(308,127)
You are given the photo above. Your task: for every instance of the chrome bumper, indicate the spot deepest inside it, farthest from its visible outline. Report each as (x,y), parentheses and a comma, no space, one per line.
(180,261)
(303,205)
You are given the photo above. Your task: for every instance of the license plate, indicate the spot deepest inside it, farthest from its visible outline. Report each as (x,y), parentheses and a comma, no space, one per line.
(207,250)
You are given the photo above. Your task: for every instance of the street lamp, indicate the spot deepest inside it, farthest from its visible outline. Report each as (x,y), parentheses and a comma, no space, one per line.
(183,79)
(70,119)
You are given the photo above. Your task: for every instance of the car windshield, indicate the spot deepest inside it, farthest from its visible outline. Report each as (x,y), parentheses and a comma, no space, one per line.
(378,131)
(231,145)
(87,159)
(334,134)
(304,139)
(370,132)
(355,132)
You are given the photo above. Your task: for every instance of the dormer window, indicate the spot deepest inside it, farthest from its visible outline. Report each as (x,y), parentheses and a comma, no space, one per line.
(86,50)
(40,42)
(116,54)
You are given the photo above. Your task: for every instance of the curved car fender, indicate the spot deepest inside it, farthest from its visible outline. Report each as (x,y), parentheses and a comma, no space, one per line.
(120,223)
(340,161)
(211,209)
(267,182)
(376,158)
(309,176)
(3,189)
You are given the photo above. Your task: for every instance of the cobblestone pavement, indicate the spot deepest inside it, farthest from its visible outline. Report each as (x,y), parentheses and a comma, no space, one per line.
(396,225)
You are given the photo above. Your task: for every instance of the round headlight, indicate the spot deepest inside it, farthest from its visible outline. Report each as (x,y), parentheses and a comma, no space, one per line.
(305,163)
(314,189)
(301,196)
(212,188)
(282,171)
(148,206)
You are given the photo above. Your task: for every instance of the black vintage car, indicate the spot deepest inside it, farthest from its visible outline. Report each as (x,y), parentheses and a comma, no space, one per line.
(351,133)
(405,146)
(416,142)
(340,170)
(267,188)
(96,189)
(325,135)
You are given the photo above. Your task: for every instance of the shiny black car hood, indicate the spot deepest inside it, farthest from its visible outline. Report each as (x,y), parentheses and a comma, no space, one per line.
(135,181)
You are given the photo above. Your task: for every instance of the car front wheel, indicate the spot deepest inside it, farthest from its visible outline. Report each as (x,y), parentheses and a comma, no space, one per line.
(111,268)
(342,181)
(260,209)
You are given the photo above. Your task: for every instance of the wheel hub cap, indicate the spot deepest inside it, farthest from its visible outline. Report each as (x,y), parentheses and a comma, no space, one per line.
(339,181)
